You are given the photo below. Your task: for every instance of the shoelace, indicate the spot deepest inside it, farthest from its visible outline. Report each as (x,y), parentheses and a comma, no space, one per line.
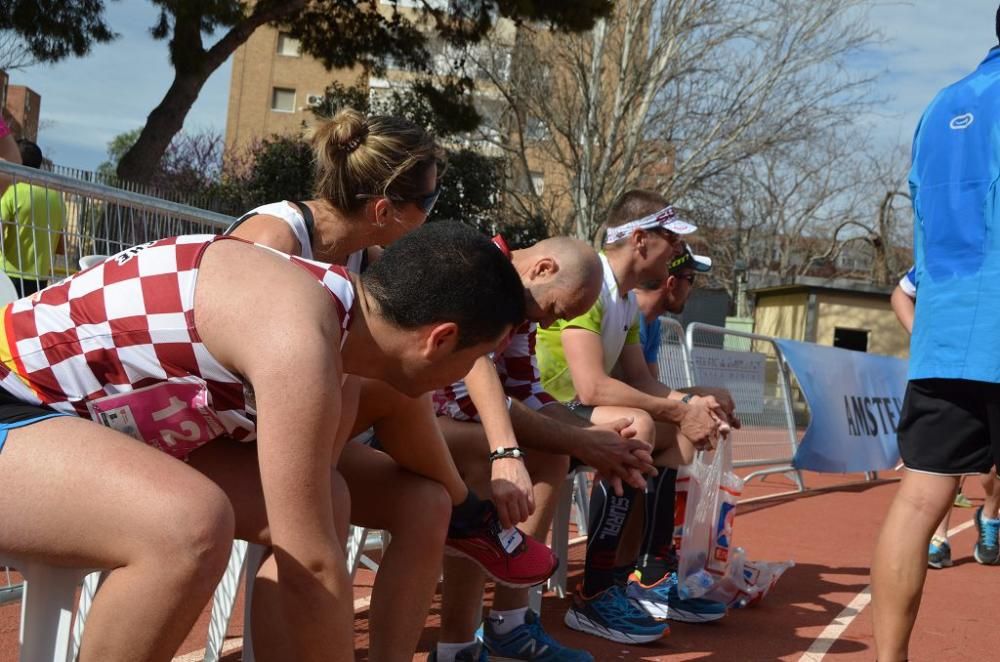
(991,532)
(622,605)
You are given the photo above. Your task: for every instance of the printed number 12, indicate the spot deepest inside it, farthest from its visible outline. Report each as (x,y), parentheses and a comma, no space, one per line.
(189,429)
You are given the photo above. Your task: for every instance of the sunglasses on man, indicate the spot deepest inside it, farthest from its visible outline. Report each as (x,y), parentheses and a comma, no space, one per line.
(688,277)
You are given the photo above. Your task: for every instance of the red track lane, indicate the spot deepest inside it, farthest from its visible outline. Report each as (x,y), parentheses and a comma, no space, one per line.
(829,532)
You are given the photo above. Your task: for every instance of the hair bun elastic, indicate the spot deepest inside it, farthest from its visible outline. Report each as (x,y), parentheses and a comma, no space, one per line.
(354,142)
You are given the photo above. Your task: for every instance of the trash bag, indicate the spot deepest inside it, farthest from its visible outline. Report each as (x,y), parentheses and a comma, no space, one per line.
(746,582)
(709,491)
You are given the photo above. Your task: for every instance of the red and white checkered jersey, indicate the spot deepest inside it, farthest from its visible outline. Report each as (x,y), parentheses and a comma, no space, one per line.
(118,343)
(517,368)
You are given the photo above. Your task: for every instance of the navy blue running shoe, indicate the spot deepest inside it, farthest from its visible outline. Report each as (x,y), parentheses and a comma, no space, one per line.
(530,642)
(610,614)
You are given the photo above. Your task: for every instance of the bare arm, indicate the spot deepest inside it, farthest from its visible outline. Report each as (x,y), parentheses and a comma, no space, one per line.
(296,380)
(269,231)
(512,491)
(594,387)
(8,152)
(698,420)
(291,358)
(904,306)
(487,394)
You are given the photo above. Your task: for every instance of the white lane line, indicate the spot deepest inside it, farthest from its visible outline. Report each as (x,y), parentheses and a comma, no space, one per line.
(828,637)
(832,632)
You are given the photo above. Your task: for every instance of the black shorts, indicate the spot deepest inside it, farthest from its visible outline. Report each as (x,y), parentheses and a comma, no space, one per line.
(585,412)
(950,426)
(17,414)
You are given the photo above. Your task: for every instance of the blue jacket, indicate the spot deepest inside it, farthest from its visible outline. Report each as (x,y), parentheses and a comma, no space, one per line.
(953,180)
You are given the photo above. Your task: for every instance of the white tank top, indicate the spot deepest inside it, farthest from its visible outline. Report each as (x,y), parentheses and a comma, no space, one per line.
(292,215)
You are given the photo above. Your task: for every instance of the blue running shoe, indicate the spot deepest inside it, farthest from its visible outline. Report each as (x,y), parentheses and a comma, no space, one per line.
(611,615)
(661,600)
(474,653)
(939,553)
(530,642)
(987,549)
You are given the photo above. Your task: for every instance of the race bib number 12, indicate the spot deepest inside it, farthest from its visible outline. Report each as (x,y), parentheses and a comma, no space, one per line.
(175,417)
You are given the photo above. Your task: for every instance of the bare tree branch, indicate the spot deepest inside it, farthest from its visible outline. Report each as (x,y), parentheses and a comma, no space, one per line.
(14,52)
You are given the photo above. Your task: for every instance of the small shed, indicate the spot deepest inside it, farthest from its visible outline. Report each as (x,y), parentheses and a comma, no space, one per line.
(837,312)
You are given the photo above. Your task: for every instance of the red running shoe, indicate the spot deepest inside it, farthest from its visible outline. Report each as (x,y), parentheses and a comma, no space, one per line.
(507,555)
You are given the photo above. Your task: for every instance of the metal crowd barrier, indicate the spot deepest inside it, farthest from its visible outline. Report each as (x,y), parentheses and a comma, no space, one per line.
(69,219)
(674,359)
(751,367)
(50,221)
(11,586)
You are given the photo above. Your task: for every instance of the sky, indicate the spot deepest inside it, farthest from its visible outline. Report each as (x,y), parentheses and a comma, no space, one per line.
(87,101)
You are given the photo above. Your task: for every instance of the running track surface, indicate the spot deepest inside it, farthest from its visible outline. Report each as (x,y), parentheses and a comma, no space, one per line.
(829,532)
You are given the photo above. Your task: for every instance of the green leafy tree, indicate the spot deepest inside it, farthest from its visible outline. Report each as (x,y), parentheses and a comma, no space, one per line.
(282,170)
(340,33)
(54,29)
(119,145)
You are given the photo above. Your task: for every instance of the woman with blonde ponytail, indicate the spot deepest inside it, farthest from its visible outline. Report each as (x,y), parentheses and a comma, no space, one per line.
(377,178)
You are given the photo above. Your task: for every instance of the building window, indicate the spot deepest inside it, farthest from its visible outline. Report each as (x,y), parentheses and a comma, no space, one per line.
(289,45)
(283,100)
(856,339)
(538,182)
(536,129)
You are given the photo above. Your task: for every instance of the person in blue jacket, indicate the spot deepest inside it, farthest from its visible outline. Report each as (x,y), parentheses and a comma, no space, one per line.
(950,424)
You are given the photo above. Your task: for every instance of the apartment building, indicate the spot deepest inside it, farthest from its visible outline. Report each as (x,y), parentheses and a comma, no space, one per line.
(274,85)
(21,107)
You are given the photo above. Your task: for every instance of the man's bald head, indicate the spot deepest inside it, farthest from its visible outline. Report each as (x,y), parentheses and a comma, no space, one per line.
(562,277)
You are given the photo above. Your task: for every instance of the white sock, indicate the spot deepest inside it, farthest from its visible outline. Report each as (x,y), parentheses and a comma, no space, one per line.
(447,652)
(504,622)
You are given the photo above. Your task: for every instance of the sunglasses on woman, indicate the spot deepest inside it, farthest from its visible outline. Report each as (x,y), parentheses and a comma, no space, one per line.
(424,202)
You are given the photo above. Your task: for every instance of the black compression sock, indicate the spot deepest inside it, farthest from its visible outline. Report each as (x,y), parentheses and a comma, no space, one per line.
(655,555)
(608,514)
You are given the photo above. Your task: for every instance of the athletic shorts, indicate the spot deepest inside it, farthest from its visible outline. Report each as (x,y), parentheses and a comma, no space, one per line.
(950,426)
(17,414)
(586,412)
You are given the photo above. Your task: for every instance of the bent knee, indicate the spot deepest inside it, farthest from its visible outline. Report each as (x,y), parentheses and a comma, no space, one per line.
(198,542)
(425,510)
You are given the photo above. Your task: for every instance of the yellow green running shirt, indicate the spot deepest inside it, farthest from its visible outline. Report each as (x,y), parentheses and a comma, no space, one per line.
(615,318)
